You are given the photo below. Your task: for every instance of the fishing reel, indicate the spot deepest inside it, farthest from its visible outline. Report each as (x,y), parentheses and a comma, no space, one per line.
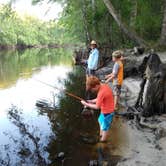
(87,112)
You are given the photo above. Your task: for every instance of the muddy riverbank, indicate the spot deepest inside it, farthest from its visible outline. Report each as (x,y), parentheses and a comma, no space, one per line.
(146,146)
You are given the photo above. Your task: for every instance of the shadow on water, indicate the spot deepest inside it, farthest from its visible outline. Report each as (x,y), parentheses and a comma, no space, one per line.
(70,130)
(76,136)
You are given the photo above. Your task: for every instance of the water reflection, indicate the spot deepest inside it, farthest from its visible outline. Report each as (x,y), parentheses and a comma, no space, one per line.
(20,90)
(33,136)
(22,64)
(71,129)
(69,126)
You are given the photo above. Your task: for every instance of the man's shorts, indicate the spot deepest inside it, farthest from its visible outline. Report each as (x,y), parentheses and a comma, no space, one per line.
(116,90)
(90,72)
(105,121)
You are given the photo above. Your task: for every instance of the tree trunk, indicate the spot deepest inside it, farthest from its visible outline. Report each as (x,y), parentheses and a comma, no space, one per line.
(125,29)
(133,13)
(85,22)
(152,96)
(94,22)
(163,29)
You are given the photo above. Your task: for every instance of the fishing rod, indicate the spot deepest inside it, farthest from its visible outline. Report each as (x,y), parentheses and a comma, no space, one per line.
(67,93)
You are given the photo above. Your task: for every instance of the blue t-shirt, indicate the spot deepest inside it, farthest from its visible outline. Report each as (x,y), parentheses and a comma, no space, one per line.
(93,59)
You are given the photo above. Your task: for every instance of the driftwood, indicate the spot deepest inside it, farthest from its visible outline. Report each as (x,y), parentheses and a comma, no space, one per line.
(152,96)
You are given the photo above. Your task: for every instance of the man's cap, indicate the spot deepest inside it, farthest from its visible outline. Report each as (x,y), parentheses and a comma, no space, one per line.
(93,42)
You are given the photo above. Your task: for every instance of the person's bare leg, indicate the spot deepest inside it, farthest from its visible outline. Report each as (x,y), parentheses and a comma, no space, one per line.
(87,76)
(101,133)
(105,135)
(115,102)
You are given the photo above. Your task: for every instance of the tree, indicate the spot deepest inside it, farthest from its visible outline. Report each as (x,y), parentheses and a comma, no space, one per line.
(133,13)
(26,31)
(84,15)
(128,31)
(163,29)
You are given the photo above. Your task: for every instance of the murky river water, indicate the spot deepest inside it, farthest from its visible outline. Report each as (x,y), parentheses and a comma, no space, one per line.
(32,136)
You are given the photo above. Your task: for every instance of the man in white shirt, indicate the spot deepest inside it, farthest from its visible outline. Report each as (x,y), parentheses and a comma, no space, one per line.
(93,59)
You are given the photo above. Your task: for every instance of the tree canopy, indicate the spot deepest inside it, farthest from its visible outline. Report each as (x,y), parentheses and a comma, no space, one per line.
(27,30)
(117,23)
(90,19)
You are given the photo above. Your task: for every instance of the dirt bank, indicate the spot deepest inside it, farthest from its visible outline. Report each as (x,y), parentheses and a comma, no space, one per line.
(131,143)
(146,141)
(144,148)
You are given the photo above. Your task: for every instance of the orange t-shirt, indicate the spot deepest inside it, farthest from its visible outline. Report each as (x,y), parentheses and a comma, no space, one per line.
(118,80)
(105,100)
(120,73)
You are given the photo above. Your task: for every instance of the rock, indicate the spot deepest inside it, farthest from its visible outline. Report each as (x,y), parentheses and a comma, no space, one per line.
(154,77)
(161,130)
(138,50)
(60,156)
(97,163)
(88,139)
(93,163)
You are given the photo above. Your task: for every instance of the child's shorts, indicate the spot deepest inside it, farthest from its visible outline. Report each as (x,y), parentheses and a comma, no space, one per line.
(116,90)
(105,121)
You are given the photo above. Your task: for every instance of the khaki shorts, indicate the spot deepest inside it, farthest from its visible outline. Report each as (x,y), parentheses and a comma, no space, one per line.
(116,90)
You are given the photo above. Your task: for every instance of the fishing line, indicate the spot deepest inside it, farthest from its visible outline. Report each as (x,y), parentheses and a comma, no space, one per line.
(61,90)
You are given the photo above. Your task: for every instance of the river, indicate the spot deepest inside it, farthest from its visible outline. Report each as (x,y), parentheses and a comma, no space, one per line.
(33,136)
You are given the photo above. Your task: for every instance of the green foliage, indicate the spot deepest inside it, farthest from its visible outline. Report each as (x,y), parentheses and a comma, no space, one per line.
(25,31)
(15,64)
(149,19)
(83,18)
(102,27)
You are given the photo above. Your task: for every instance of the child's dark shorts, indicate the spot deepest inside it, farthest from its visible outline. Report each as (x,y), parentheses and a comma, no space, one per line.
(116,90)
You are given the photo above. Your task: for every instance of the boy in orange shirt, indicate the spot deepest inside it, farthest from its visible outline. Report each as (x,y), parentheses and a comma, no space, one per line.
(104,102)
(117,75)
